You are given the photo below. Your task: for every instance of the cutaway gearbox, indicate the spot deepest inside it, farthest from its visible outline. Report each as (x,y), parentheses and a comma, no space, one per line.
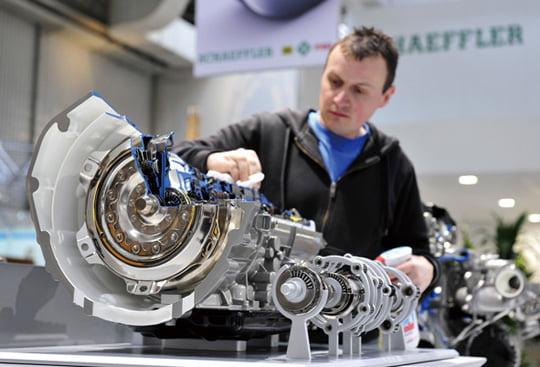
(140,238)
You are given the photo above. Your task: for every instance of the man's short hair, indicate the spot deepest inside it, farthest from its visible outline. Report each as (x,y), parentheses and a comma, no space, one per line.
(367,41)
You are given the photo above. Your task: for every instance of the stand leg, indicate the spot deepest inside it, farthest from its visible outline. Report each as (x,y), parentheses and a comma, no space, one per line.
(298,347)
(393,341)
(347,343)
(333,344)
(356,345)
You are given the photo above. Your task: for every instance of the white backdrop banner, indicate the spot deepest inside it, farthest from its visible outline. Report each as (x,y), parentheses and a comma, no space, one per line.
(245,35)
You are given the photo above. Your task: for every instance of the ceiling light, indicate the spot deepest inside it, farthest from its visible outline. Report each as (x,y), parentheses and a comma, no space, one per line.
(534,218)
(468,180)
(507,203)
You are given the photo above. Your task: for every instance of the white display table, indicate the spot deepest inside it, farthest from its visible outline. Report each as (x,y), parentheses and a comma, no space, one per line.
(150,356)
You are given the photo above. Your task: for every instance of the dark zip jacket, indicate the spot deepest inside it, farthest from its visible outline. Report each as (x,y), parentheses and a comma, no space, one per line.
(375,205)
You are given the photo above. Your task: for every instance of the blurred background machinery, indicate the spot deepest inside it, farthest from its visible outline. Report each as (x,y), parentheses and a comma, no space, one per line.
(483,306)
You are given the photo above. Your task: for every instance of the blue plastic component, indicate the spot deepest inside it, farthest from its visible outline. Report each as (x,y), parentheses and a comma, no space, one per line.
(153,161)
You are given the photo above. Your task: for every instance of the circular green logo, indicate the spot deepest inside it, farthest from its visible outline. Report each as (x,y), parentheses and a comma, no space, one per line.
(303,48)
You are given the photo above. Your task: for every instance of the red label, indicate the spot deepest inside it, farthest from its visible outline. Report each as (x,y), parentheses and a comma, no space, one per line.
(408,327)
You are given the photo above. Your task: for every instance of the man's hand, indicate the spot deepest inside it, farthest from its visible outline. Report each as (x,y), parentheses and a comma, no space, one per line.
(419,270)
(239,163)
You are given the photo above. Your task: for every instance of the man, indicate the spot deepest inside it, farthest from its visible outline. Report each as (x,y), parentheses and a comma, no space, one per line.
(332,165)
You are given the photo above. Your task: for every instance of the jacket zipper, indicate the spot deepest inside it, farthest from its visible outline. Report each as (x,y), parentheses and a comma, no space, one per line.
(333,185)
(333,188)
(331,196)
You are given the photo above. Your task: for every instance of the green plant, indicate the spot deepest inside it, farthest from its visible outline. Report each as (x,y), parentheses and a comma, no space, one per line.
(467,241)
(525,360)
(506,235)
(521,264)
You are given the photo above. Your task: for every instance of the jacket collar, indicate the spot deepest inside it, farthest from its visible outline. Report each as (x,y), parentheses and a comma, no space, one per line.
(377,145)
(308,142)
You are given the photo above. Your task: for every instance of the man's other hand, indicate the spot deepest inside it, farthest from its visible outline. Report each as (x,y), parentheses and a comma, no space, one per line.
(419,270)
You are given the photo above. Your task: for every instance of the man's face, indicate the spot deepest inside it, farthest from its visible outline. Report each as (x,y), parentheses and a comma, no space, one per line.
(351,92)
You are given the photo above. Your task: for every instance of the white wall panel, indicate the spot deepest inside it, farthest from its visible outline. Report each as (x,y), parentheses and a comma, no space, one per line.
(476,146)
(16,60)
(223,100)
(16,56)
(462,60)
(69,70)
(41,73)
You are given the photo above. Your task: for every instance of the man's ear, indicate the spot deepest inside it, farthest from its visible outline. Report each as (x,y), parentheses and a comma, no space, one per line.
(387,95)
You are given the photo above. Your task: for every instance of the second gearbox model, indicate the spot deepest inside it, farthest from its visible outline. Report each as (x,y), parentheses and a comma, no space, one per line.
(140,238)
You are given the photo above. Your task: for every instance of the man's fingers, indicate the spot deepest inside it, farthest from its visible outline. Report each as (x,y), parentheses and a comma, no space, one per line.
(234,171)
(253,162)
(240,163)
